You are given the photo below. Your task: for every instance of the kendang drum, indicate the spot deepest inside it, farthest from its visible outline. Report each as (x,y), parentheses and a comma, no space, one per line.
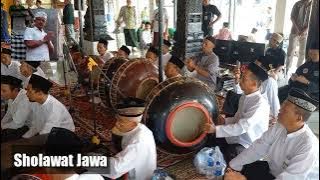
(134,78)
(176,110)
(109,69)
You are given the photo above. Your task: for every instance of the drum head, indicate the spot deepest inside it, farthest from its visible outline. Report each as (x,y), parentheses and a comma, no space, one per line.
(145,88)
(184,124)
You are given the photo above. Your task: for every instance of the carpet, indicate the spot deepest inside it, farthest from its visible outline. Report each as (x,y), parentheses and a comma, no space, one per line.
(184,170)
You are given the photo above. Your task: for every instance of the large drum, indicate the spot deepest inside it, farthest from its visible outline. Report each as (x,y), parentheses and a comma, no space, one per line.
(176,110)
(129,78)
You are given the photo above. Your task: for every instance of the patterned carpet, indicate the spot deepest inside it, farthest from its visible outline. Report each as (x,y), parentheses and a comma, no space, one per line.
(83,118)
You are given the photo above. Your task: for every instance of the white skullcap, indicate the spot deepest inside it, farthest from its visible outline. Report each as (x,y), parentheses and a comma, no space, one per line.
(41,14)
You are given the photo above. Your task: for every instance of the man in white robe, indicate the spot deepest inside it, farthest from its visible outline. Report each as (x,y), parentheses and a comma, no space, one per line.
(16,121)
(268,89)
(138,157)
(9,67)
(48,112)
(28,68)
(251,119)
(289,149)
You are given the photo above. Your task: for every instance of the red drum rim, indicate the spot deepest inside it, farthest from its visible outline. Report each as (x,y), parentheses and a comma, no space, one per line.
(170,120)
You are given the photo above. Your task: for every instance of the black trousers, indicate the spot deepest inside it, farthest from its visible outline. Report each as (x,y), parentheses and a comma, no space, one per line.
(229,151)
(13,134)
(258,170)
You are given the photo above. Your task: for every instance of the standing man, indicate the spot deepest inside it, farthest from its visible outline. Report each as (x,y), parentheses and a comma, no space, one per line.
(300,15)
(210,15)
(37,41)
(38,4)
(4,25)
(155,24)
(251,119)
(289,149)
(128,15)
(68,21)
(207,64)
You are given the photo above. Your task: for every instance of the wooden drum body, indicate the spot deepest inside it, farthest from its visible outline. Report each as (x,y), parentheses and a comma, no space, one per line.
(176,110)
(134,78)
(109,68)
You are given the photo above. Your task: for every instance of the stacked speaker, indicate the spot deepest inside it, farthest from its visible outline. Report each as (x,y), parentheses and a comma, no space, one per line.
(188,37)
(95,25)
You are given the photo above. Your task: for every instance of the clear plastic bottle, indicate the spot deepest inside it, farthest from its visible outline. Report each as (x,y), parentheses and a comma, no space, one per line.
(210,167)
(218,171)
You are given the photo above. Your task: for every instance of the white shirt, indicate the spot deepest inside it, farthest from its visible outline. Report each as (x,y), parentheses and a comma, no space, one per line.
(26,79)
(138,157)
(165,59)
(106,57)
(85,177)
(51,113)
(13,69)
(19,112)
(269,90)
(155,17)
(249,123)
(40,53)
(146,37)
(293,156)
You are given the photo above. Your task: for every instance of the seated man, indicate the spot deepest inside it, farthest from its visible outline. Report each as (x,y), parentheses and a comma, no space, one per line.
(28,68)
(269,90)
(306,77)
(124,52)
(207,64)
(275,56)
(174,67)
(9,67)
(138,155)
(17,118)
(153,55)
(48,112)
(102,49)
(289,148)
(251,119)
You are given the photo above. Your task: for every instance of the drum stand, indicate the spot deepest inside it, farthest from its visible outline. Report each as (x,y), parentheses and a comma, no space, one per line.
(95,139)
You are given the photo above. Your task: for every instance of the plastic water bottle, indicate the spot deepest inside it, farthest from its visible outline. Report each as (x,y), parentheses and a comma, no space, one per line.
(210,167)
(218,171)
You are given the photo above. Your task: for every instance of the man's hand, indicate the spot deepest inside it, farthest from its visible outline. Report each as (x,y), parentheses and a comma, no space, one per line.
(237,74)
(190,65)
(303,31)
(234,175)
(209,128)
(294,77)
(302,79)
(221,120)
(48,37)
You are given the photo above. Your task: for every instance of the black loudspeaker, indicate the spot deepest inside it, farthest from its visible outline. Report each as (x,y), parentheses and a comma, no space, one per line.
(189,35)
(76,6)
(223,50)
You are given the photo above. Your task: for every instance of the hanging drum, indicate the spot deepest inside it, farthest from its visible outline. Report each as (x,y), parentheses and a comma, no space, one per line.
(109,69)
(134,78)
(176,110)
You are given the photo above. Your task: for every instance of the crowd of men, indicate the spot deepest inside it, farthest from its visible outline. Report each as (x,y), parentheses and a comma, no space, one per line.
(260,139)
